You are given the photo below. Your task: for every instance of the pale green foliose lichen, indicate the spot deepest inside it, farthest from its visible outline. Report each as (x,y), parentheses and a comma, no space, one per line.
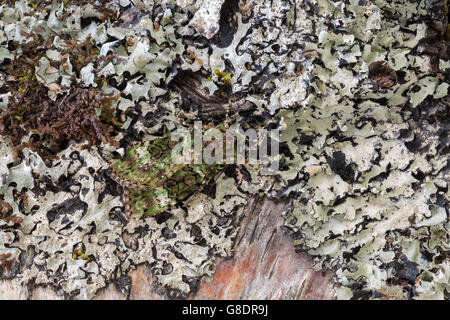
(364,160)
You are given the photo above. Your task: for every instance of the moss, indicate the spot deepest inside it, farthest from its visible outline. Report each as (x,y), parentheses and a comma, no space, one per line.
(71,116)
(79,253)
(223,77)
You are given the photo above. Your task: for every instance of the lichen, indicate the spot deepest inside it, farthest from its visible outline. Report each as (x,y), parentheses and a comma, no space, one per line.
(357,89)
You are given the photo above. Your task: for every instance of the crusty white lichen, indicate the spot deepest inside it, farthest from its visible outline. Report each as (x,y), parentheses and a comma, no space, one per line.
(206,15)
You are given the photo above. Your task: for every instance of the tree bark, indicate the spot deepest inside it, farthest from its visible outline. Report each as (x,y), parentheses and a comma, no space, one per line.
(264,266)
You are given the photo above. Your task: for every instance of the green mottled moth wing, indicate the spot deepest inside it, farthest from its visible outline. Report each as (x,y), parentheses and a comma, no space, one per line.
(145,166)
(185,182)
(154,182)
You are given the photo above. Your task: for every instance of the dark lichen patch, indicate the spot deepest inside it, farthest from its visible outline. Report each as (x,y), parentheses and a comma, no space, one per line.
(227,23)
(68,207)
(339,165)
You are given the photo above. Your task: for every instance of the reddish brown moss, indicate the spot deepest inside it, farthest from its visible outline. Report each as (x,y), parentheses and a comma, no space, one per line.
(5,263)
(380,72)
(73,116)
(70,117)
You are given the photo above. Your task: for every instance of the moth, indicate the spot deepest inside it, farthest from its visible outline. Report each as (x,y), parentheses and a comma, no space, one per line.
(153,182)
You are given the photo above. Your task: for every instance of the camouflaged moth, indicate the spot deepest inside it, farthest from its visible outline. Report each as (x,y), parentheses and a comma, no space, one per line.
(153,182)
